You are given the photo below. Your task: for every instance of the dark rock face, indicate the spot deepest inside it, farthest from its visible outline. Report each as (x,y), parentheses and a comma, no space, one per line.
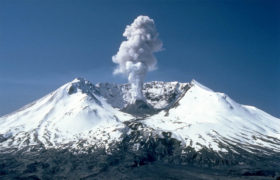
(139,108)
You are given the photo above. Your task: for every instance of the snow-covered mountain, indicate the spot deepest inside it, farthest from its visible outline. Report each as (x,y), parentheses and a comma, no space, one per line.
(80,115)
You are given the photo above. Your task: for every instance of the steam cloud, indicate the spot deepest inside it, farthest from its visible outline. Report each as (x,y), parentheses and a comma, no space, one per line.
(135,56)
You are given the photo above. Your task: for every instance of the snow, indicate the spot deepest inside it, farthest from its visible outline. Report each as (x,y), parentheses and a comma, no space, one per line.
(202,112)
(194,114)
(60,116)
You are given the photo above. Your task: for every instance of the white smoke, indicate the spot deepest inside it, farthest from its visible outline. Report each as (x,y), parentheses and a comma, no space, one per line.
(135,56)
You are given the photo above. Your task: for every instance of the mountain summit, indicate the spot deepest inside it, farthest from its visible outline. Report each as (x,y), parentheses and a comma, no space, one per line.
(176,120)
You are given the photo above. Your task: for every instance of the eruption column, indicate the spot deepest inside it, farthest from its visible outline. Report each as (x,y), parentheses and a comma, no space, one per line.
(135,56)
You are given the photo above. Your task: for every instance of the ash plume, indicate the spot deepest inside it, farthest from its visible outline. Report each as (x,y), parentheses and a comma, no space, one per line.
(135,56)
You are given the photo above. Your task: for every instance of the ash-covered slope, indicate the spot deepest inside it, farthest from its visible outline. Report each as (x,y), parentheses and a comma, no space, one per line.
(158,94)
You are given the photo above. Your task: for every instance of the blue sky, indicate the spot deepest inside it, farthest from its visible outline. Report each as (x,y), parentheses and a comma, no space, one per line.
(229,46)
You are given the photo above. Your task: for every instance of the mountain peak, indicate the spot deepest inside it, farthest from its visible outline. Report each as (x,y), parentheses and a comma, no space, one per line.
(78,79)
(80,84)
(196,83)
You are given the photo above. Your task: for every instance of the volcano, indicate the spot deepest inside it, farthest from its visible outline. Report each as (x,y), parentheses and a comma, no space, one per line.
(184,124)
